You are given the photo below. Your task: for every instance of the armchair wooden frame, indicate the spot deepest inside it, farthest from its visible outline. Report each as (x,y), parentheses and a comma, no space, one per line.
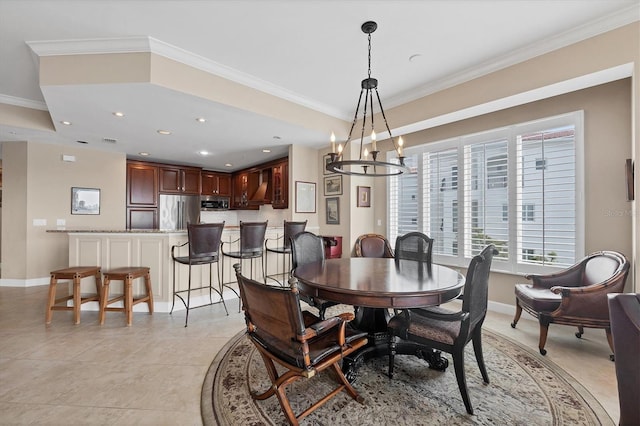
(575,296)
(296,340)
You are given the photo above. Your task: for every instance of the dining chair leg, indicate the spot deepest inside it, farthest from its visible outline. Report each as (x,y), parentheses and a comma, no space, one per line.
(392,354)
(516,318)
(477,349)
(458,364)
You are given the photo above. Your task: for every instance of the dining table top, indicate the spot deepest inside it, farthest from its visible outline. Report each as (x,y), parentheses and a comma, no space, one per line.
(380,282)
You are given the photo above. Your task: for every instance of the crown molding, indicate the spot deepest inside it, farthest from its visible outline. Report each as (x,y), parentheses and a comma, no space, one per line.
(139,44)
(574,35)
(24,103)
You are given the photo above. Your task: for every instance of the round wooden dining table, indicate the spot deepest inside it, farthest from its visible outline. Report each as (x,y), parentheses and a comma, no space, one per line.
(375,285)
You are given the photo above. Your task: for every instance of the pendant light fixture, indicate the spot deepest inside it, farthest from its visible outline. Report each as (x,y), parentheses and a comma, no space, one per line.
(367,163)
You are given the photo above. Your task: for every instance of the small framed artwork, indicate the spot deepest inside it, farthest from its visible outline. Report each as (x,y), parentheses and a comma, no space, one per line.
(364,196)
(85,201)
(327,160)
(305,197)
(333,211)
(333,185)
(629,178)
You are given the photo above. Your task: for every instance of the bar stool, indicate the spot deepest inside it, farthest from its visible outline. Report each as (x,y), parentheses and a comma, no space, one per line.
(126,274)
(76,273)
(291,229)
(251,247)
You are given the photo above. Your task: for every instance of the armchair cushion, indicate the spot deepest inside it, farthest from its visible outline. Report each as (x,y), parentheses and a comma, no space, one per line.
(539,299)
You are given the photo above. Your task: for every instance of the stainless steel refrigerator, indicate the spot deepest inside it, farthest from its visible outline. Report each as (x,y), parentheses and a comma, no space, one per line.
(178,210)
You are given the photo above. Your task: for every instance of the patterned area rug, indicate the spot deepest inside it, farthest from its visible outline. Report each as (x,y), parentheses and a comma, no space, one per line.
(525,389)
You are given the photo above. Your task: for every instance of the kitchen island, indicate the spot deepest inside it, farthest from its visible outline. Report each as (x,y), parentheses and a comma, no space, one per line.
(115,248)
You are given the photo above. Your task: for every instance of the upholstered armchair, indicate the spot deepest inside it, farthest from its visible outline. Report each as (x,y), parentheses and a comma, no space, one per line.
(575,296)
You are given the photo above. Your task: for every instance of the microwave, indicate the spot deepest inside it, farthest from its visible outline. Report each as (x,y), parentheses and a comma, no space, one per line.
(212,202)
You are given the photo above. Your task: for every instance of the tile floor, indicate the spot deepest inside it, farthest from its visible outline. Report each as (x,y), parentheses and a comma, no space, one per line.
(152,372)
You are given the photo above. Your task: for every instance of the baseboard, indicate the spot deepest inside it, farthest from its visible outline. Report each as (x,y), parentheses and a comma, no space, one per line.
(33,282)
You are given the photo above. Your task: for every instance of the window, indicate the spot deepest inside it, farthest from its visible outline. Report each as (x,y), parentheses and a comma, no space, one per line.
(528,212)
(469,192)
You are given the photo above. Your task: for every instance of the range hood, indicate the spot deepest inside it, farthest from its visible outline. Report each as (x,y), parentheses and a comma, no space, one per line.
(260,196)
(264,192)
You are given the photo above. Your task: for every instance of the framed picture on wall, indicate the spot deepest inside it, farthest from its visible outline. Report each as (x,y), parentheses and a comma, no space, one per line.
(305,197)
(333,210)
(364,196)
(326,160)
(85,201)
(333,185)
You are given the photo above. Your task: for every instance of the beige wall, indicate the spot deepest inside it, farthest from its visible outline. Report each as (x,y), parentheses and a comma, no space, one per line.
(37,185)
(303,167)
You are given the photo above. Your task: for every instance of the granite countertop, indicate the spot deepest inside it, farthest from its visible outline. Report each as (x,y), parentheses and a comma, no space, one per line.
(141,231)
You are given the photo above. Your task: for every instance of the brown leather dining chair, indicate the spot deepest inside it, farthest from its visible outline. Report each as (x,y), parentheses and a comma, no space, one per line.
(444,330)
(575,296)
(373,245)
(296,340)
(308,247)
(204,249)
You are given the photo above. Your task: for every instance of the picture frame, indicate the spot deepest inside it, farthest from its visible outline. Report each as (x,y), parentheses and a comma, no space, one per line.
(333,185)
(333,210)
(629,178)
(85,201)
(326,160)
(364,196)
(305,197)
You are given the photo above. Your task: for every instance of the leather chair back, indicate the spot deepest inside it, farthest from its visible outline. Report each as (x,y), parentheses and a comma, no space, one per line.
(252,236)
(307,247)
(373,245)
(204,239)
(292,229)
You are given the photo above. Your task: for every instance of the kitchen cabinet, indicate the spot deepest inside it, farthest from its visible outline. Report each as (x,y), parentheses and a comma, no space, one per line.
(216,184)
(266,183)
(142,218)
(142,195)
(179,180)
(142,184)
(280,185)
(245,185)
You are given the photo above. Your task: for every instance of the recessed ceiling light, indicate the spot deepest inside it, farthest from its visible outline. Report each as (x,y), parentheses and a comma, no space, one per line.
(118,114)
(266,150)
(144,154)
(228,165)
(203,152)
(277,137)
(164,132)
(201,120)
(66,123)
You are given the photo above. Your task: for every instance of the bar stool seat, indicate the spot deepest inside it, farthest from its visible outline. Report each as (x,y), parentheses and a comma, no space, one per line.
(76,273)
(127,275)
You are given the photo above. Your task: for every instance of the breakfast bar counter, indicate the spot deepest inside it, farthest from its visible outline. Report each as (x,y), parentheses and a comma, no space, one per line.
(116,248)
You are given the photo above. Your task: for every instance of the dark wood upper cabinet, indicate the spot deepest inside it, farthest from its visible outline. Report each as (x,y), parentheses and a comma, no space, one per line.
(266,183)
(142,184)
(216,184)
(180,180)
(280,185)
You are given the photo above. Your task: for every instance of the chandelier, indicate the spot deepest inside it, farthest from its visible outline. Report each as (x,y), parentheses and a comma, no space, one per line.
(367,163)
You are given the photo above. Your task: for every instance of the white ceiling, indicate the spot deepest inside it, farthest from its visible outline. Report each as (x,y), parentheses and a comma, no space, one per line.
(310,52)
